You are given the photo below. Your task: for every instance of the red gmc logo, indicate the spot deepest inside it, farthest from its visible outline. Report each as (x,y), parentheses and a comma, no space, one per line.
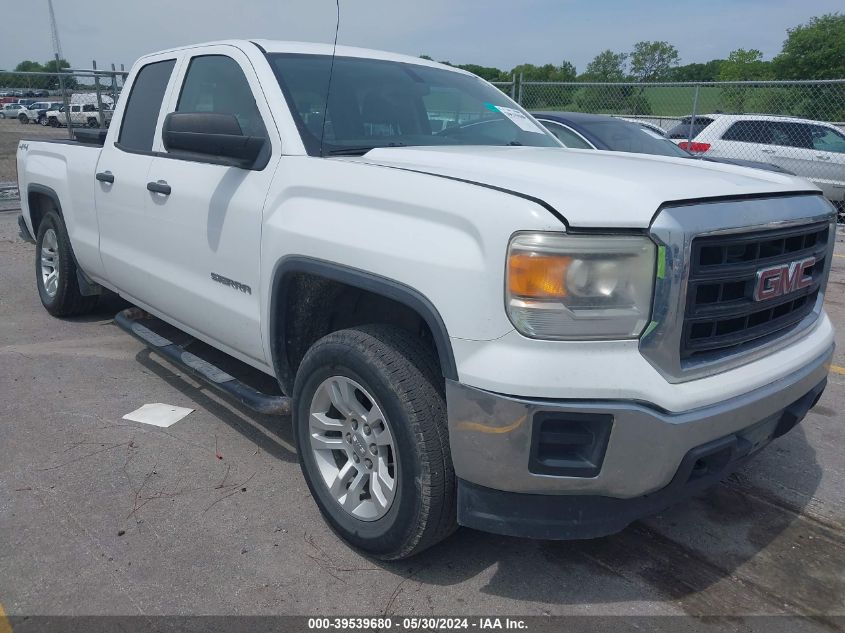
(782,279)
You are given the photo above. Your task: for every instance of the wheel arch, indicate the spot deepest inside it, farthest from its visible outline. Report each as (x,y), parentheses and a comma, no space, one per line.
(36,196)
(345,278)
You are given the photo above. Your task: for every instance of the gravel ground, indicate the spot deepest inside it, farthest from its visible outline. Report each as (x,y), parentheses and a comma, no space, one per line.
(99,516)
(11,131)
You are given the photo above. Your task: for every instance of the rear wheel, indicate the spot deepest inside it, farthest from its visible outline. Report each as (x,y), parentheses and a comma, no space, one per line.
(370,425)
(55,270)
(92,122)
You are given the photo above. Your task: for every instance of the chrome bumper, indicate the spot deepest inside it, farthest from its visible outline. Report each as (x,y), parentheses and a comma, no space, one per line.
(491,435)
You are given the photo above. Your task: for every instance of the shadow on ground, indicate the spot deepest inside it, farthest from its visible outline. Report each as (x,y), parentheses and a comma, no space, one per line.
(739,548)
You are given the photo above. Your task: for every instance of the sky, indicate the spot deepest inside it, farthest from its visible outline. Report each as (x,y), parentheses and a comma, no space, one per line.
(501,33)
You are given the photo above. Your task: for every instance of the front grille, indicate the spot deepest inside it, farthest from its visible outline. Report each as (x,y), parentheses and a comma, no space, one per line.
(721,314)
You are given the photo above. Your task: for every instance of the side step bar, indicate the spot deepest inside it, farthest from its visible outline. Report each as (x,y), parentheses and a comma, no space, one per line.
(258,401)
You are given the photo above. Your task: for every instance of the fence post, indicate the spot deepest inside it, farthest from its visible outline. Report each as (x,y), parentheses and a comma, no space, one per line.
(113,83)
(692,119)
(513,86)
(65,101)
(102,120)
(519,100)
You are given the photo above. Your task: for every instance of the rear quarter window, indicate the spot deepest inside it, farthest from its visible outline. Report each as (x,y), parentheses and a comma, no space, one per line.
(682,129)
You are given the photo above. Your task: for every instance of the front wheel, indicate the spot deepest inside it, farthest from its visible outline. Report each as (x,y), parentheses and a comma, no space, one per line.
(92,122)
(55,270)
(370,426)
(23,119)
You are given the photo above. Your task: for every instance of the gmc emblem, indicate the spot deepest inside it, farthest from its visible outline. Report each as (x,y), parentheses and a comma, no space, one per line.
(782,279)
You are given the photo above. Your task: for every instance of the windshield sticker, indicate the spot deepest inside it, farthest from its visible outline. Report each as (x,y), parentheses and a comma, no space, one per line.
(517,117)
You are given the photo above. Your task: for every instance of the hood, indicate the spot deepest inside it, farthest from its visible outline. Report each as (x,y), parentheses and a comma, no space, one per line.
(590,188)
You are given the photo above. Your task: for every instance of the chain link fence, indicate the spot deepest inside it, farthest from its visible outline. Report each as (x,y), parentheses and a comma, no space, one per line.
(795,126)
(51,105)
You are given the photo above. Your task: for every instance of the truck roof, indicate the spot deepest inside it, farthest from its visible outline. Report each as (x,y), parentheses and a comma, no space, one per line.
(316,48)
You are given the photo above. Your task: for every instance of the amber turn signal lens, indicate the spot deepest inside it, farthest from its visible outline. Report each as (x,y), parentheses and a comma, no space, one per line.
(537,276)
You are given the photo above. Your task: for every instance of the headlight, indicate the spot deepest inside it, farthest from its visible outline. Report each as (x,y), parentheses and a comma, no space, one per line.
(580,286)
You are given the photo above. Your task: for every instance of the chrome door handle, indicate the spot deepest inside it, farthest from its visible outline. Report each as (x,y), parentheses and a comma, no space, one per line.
(159,187)
(768,151)
(105,176)
(822,157)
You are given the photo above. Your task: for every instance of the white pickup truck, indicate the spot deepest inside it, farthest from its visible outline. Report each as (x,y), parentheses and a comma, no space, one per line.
(472,324)
(81,114)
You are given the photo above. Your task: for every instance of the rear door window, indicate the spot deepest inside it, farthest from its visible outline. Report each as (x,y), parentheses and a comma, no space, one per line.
(137,130)
(827,140)
(750,132)
(790,134)
(682,129)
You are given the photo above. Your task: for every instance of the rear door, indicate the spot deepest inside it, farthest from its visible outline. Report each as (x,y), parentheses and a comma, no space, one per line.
(792,148)
(749,139)
(203,239)
(120,188)
(829,151)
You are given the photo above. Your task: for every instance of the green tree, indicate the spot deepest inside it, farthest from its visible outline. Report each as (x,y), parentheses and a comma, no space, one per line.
(653,61)
(536,97)
(741,65)
(745,65)
(815,50)
(546,72)
(485,72)
(606,66)
(29,66)
(708,71)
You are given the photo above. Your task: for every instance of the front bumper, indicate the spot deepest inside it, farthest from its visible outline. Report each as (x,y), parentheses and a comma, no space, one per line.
(649,460)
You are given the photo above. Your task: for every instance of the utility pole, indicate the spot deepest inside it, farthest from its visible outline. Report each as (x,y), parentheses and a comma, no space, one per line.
(54,31)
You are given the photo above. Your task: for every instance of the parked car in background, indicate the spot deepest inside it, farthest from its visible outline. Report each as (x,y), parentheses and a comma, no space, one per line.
(812,149)
(36,113)
(597,131)
(81,115)
(651,127)
(11,110)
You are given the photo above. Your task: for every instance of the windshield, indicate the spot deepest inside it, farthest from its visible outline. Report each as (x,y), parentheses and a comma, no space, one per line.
(621,136)
(377,103)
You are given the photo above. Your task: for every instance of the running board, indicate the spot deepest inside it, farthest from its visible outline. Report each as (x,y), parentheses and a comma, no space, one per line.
(128,320)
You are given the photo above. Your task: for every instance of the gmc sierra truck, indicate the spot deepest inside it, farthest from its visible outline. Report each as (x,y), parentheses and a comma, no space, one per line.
(470,324)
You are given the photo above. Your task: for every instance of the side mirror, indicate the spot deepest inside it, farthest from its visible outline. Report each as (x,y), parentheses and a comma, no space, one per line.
(211,135)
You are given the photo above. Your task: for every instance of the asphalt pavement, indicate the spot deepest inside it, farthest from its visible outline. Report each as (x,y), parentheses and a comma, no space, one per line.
(101,516)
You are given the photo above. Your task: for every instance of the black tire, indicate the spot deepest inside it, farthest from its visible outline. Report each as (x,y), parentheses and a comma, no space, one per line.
(23,119)
(92,122)
(54,122)
(402,375)
(67,300)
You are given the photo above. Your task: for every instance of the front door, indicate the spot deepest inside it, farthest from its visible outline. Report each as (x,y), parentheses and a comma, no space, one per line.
(204,236)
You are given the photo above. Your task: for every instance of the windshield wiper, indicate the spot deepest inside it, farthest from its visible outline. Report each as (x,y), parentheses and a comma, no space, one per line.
(359,151)
(349,151)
